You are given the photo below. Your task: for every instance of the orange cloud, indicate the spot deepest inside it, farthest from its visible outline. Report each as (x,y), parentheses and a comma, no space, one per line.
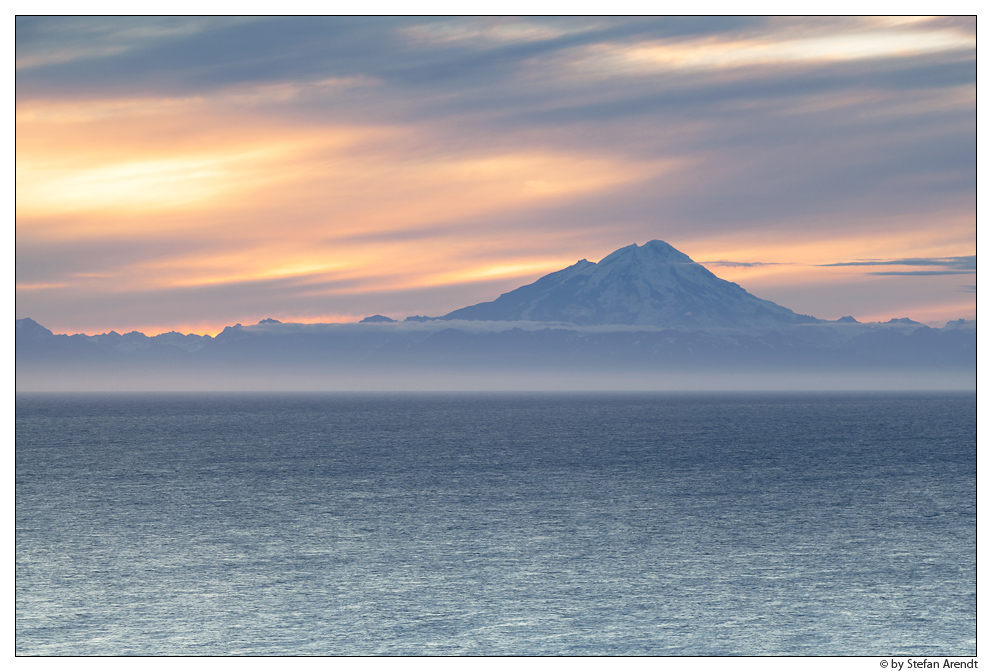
(136,161)
(260,200)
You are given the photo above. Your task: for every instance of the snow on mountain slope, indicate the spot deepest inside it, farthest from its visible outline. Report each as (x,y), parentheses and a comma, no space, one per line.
(651,284)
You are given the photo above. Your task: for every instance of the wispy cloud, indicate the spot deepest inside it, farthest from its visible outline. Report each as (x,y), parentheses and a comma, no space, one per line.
(56,40)
(920,272)
(480,32)
(948,265)
(741,264)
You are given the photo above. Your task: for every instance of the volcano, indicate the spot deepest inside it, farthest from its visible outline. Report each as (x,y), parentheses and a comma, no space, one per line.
(651,284)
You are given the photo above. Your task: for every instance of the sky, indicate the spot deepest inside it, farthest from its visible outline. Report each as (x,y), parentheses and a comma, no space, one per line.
(192,173)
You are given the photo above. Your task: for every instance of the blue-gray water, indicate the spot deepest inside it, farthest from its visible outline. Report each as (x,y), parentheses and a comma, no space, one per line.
(511,524)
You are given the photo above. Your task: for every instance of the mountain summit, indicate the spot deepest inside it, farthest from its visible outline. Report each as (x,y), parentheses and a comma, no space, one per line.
(651,284)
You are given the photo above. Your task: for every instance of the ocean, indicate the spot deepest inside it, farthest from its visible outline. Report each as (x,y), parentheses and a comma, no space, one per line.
(485,524)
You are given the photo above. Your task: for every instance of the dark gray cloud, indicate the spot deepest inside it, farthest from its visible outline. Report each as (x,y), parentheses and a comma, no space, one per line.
(135,54)
(419,233)
(965,264)
(712,93)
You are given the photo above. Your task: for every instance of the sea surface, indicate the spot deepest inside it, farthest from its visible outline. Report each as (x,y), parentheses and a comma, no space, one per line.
(667,524)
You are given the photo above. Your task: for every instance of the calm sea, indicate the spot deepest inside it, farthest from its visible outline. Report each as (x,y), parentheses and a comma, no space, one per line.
(496,524)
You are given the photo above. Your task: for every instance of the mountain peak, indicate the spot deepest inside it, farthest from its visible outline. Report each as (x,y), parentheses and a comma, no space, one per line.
(653,251)
(649,284)
(26,327)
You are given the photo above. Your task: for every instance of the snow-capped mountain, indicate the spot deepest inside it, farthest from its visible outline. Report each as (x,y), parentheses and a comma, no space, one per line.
(651,284)
(670,317)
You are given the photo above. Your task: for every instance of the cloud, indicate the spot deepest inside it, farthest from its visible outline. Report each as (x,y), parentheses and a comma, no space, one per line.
(741,264)
(920,272)
(49,41)
(854,44)
(966,264)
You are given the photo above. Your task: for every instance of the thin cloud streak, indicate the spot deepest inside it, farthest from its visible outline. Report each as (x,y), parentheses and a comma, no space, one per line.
(969,263)
(742,264)
(920,272)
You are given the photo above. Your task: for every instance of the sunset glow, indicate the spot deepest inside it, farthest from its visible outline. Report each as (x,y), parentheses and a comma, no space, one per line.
(417,166)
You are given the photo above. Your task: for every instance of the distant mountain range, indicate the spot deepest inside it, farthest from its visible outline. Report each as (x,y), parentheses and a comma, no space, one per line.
(644,310)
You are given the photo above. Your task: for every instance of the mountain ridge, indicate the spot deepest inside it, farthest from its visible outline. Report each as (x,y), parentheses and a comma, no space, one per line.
(645,316)
(653,285)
